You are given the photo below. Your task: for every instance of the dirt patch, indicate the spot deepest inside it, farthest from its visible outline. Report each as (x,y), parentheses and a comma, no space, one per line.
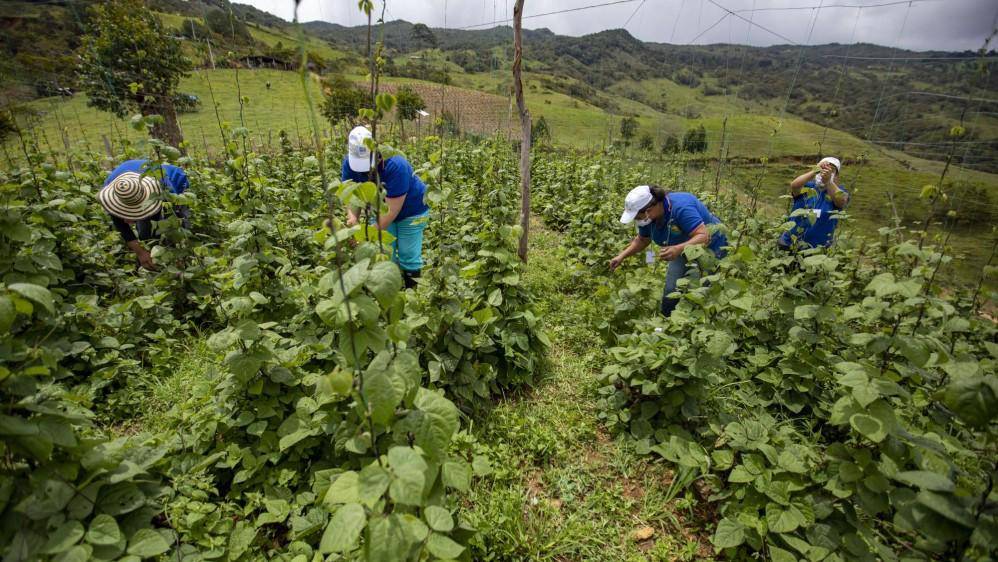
(472,111)
(535,487)
(593,458)
(633,490)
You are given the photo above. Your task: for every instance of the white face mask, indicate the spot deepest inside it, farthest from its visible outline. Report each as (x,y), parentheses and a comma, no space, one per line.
(643,222)
(820,182)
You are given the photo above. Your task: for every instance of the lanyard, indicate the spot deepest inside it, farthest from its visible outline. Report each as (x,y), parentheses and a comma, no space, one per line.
(668,225)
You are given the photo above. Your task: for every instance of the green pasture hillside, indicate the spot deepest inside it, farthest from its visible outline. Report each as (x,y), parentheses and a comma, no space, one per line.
(754,131)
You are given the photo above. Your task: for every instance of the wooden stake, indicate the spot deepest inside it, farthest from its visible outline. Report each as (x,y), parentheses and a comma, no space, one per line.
(525,125)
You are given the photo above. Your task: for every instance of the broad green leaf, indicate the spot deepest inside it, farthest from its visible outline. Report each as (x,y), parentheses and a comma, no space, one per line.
(103,531)
(344,529)
(783,519)
(79,553)
(345,489)
(439,519)
(495,297)
(740,474)
(240,539)
(720,343)
(67,535)
(777,554)
(438,424)
(340,381)
(456,474)
(443,547)
(35,293)
(408,475)
(146,543)
(384,281)
(729,533)
(17,426)
(926,480)
(48,498)
(386,539)
(415,529)
(974,399)
(868,426)
(7,313)
(374,482)
(381,395)
(950,507)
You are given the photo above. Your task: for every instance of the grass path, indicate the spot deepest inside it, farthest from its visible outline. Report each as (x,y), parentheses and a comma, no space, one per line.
(562,488)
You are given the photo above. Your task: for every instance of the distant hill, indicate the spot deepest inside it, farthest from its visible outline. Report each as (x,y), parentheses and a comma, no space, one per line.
(902,99)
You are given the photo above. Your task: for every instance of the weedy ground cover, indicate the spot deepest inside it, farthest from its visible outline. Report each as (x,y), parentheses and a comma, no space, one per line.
(271,391)
(834,404)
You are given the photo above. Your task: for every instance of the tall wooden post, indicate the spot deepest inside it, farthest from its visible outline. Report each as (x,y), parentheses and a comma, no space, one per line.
(525,125)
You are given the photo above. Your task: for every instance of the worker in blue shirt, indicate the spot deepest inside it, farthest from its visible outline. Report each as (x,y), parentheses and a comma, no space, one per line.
(132,194)
(817,227)
(673,220)
(407,212)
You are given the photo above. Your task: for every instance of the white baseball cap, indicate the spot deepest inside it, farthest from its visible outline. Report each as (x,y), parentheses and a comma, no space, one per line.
(833,161)
(637,199)
(358,154)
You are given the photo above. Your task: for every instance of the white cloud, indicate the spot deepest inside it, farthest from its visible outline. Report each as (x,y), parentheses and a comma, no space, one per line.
(932,24)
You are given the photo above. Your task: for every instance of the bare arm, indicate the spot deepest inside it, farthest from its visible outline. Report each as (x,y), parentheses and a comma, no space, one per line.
(700,235)
(638,244)
(145,258)
(839,197)
(798,183)
(394,207)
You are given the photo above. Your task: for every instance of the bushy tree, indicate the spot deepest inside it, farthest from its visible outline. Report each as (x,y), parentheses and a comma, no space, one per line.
(695,140)
(645,142)
(7,125)
(540,131)
(422,37)
(628,128)
(408,103)
(128,62)
(670,145)
(342,100)
(193,29)
(227,25)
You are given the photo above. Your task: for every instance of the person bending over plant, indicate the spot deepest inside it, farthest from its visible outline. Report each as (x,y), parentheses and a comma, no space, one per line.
(407,212)
(818,191)
(673,220)
(132,194)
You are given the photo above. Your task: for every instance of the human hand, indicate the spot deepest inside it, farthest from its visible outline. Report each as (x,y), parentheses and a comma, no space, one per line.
(669,253)
(145,259)
(615,263)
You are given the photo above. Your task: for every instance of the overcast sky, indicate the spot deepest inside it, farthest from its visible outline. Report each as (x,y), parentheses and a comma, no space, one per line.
(931,24)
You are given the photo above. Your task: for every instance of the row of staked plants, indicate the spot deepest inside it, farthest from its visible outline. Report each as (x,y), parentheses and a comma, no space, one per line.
(333,418)
(831,405)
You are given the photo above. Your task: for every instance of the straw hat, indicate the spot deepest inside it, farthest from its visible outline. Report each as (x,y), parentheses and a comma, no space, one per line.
(131,196)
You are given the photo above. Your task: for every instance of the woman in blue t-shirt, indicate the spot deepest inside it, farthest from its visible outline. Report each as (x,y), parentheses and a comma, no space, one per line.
(131,195)
(817,227)
(407,212)
(673,220)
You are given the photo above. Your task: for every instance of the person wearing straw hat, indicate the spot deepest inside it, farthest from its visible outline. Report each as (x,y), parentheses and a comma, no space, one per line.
(132,194)
(674,221)
(825,198)
(407,213)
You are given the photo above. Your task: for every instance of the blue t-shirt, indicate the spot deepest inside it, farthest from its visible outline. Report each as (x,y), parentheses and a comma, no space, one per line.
(399,179)
(684,213)
(174,178)
(821,233)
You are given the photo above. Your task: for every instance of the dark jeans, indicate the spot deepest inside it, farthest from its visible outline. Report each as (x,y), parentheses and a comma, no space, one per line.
(676,271)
